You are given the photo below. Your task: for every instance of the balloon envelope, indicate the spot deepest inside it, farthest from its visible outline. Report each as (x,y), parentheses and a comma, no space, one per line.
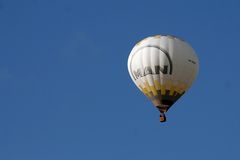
(163,68)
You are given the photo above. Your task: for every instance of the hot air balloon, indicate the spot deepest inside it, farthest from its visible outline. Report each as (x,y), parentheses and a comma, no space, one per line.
(163,67)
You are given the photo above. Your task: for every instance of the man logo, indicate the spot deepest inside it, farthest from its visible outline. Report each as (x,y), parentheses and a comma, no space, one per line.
(146,70)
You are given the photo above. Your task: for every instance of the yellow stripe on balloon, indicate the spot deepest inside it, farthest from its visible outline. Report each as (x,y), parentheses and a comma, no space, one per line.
(144,90)
(157,85)
(147,86)
(153,90)
(163,89)
(172,89)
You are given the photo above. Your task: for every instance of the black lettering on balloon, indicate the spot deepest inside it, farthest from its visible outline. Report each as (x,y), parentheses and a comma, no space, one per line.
(159,69)
(147,70)
(137,73)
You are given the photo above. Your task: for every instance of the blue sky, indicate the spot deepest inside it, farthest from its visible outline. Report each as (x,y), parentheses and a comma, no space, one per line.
(65,92)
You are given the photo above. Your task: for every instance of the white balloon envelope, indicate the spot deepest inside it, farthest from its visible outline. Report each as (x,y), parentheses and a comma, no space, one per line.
(163,68)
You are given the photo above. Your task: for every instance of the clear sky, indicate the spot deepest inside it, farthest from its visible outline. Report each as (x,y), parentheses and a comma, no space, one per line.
(65,92)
